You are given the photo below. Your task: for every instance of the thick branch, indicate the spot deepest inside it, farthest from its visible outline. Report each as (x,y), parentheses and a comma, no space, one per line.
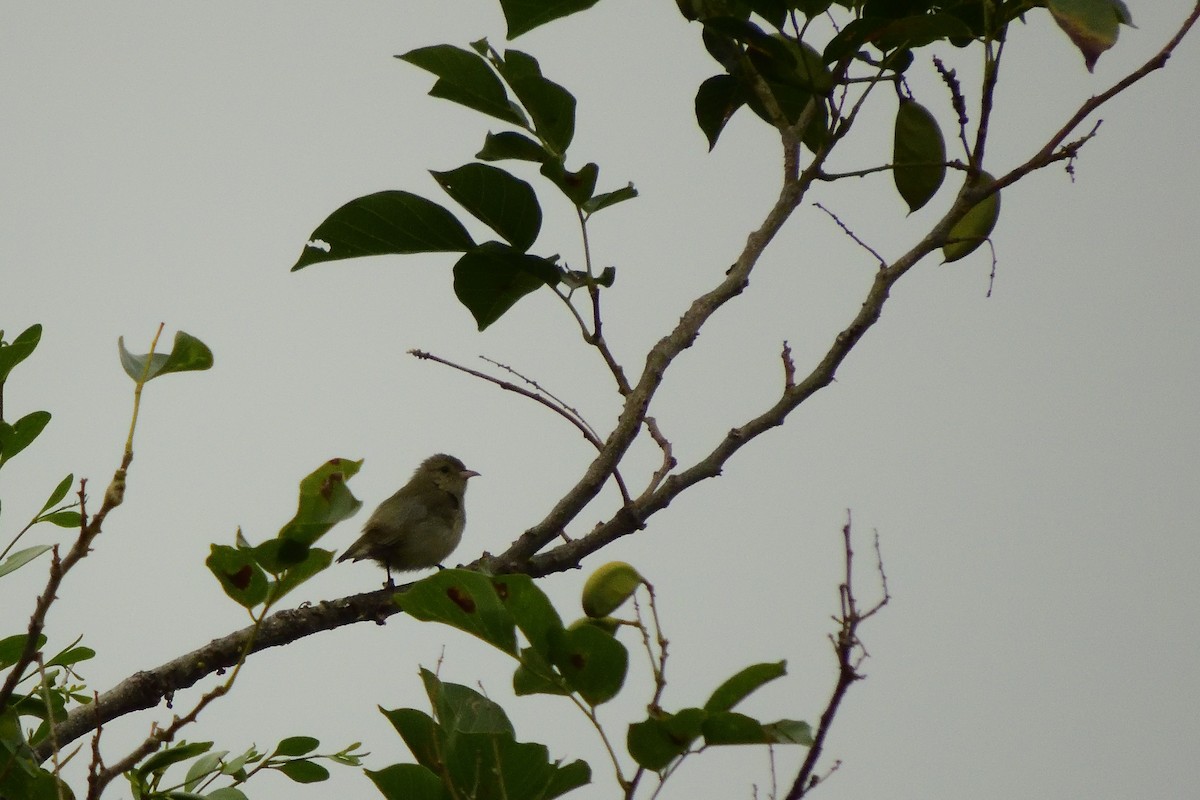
(148,688)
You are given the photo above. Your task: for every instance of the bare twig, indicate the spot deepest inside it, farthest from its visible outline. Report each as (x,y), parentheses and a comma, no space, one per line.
(849,653)
(561,410)
(846,229)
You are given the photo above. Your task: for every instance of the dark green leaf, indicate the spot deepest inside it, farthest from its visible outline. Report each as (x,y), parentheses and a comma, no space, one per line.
(593,663)
(241,578)
(466,79)
(59,492)
(491,278)
(465,600)
(551,107)
(503,202)
(738,687)
(578,186)
(12,646)
(296,746)
(523,16)
(532,611)
(1092,25)
(652,745)
(419,732)
(730,727)
(919,154)
(226,793)
(511,145)
(19,559)
(19,349)
(974,228)
(16,437)
(535,675)
(187,354)
(609,199)
(920,30)
(302,771)
(716,101)
(407,782)
(385,223)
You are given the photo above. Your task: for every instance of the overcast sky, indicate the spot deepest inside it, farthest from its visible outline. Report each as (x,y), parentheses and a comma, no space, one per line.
(1030,460)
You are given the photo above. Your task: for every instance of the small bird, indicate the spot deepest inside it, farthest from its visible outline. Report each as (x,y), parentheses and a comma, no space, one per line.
(419,525)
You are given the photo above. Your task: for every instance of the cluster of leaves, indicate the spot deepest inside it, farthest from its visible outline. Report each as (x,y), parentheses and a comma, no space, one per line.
(260,575)
(467,748)
(775,70)
(294,757)
(491,276)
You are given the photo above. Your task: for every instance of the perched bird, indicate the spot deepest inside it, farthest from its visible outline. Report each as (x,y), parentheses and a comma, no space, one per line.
(419,525)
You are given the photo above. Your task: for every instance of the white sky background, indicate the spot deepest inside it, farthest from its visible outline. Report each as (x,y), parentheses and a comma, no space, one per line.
(1029,460)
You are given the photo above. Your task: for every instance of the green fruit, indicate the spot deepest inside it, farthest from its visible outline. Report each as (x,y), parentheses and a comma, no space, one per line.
(609,587)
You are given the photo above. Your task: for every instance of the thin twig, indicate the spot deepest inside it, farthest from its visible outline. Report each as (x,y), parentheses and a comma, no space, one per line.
(578,422)
(846,229)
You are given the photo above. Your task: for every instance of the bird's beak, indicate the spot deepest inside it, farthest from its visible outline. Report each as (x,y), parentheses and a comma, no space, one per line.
(469,473)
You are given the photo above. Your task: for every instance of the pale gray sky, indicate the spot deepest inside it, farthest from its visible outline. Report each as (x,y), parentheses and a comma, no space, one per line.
(1030,460)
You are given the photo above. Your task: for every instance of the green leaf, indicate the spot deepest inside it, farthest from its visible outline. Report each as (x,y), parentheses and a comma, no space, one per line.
(461,709)
(385,223)
(789,731)
(16,437)
(738,687)
(302,771)
(11,647)
(536,675)
(226,793)
(523,16)
(238,573)
(407,782)
(466,79)
(325,500)
(419,732)
(202,767)
(974,228)
(919,30)
(296,746)
(492,277)
(551,107)
(63,519)
(317,560)
(465,600)
(730,727)
(593,663)
(532,611)
(172,754)
(59,492)
(19,349)
(919,154)
(503,202)
(657,741)
(1092,25)
(511,145)
(187,354)
(577,186)
(72,655)
(19,559)
(609,199)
